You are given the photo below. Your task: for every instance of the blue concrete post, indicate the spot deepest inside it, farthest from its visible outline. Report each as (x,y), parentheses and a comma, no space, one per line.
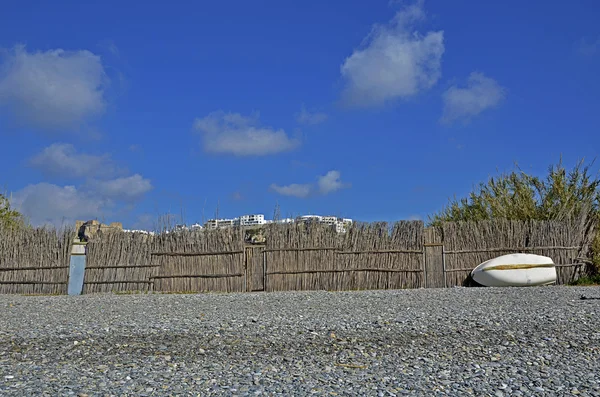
(76,269)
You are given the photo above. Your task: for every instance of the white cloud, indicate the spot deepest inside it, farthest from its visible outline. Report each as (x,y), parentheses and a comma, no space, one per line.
(331,182)
(47,204)
(242,136)
(395,61)
(326,184)
(311,118)
(55,89)
(62,159)
(481,93)
(127,189)
(294,190)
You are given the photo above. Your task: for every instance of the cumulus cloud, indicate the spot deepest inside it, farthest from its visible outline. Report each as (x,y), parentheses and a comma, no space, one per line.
(62,159)
(294,190)
(464,103)
(233,133)
(331,182)
(50,204)
(395,61)
(55,89)
(47,204)
(128,189)
(310,118)
(326,184)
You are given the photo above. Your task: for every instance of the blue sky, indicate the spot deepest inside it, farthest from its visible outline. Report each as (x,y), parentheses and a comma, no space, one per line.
(372,110)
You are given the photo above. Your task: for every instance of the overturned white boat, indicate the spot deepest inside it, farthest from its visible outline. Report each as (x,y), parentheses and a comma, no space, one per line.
(516,270)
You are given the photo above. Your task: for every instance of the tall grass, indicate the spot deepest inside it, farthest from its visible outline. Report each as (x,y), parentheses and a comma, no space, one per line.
(562,195)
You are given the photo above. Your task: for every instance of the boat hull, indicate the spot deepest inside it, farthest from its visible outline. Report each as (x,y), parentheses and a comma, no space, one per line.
(516,270)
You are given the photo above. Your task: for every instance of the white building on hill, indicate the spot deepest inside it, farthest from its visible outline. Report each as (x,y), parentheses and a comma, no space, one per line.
(219,223)
(339,224)
(250,220)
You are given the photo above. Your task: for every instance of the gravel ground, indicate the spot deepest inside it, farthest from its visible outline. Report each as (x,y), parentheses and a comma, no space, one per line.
(460,341)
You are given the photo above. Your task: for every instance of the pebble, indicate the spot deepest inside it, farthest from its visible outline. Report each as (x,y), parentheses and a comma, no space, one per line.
(455,341)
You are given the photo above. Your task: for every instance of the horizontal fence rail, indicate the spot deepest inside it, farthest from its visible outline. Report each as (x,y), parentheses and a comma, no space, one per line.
(340,252)
(346,270)
(13,269)
(195,253)
(200,276)
(486,250)
(33,282)
(121,267)
(119,282)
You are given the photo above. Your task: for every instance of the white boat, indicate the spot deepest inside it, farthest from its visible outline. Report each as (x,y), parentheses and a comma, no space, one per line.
(516,270)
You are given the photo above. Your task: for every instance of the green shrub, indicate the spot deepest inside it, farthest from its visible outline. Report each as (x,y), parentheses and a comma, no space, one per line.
(561,195)
(587,280)
(9,218)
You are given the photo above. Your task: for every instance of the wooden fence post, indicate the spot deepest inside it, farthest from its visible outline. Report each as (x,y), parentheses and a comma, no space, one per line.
(435,272)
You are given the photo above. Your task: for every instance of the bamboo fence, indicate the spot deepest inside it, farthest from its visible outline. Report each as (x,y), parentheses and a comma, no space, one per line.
(34,261)
(296,257)
(117,262)
(186,261)
(200,261)
(369,256)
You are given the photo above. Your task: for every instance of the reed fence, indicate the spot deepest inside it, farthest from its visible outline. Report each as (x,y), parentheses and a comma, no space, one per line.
(34,261)
(296,257)
(368,256)
(117,261)
(200,261)
(174,262)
